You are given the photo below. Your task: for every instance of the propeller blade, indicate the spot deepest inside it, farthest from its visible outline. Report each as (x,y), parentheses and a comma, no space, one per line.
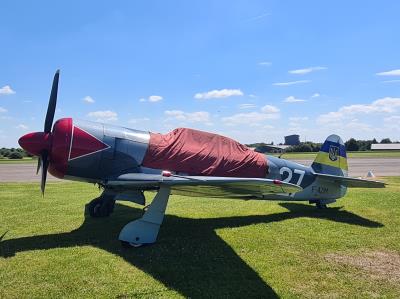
(39,162)
(51,109)
(45,164)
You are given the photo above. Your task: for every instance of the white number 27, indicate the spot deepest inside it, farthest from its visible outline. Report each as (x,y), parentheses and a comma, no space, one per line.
(290,174)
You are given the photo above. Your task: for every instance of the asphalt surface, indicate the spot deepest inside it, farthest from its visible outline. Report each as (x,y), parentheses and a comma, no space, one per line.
(22,173)
(357,167)
(361,166)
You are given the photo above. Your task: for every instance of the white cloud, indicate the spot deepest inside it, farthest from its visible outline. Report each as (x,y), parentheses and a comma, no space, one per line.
(297,123)
(291,83)
(154,98)
(307,70)
(88,99)
(151,99)
(138,120)
(264,63)
(22,127)
(384,105)
(315,95)
(105,116)
(390,73)
(392,123)
(252,118)
(270,109)
(6,90)
(3,110)
(393,118)
(247,106)
(198,116)
(392,81)
(298,118)
(222,93)
(292,99)
(258,17)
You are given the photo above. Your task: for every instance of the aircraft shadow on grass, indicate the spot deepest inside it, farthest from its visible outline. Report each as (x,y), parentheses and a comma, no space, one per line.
(189,256)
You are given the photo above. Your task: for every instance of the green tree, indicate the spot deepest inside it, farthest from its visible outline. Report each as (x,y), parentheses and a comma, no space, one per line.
(386,140)
(15,155)
(351,145)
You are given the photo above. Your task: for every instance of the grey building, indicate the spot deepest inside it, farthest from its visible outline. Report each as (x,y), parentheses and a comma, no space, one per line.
(385,146)
(292,140)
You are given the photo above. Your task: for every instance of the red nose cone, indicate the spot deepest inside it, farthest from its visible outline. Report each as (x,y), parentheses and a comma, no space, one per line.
(35,143)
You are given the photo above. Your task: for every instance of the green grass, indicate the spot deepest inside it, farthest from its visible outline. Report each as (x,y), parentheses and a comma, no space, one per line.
(18,161)
(366,154)
(206,247)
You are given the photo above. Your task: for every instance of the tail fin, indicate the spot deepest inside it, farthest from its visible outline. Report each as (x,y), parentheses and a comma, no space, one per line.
(331,158)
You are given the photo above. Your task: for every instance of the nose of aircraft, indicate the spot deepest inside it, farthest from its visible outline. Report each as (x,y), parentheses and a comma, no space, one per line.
(36,142)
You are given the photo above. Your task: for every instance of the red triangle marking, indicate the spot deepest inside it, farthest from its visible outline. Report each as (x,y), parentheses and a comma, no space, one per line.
(84,144)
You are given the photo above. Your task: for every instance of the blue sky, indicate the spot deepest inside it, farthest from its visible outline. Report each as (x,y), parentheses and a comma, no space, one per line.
(251,70)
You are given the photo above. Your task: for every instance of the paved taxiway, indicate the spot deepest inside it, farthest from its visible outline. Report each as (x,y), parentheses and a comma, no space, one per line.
(361,166)
(21,173)
(357,167)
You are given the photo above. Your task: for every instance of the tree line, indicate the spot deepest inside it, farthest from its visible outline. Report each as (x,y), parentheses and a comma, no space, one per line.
(13,153)
(351,145)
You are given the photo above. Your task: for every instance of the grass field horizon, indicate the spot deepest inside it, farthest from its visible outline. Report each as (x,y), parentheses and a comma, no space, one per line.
(206,247)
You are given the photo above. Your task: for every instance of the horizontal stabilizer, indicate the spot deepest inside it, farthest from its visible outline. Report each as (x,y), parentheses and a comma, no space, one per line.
(351,182)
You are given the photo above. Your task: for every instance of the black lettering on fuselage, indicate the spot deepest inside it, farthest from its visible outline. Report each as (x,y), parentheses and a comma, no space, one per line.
(320,189)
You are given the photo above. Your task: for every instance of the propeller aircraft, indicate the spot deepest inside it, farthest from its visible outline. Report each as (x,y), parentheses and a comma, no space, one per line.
(127,162)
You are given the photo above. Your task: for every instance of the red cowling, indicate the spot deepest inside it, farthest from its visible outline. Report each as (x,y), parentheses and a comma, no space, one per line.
(201,153)
(61,137)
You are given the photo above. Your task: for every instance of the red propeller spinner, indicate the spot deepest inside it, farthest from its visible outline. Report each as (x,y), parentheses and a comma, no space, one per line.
(35,143)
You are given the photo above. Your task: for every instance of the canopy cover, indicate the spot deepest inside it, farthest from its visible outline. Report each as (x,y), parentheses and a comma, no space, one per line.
(200,153)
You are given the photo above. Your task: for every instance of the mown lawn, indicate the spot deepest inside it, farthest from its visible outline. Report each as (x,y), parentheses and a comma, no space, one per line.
(206,247)
(17,161)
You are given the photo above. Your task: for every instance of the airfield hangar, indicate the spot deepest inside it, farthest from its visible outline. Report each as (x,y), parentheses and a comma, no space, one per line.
(292,140)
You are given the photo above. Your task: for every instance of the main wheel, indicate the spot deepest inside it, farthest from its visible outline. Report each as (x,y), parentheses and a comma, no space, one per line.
(99,207)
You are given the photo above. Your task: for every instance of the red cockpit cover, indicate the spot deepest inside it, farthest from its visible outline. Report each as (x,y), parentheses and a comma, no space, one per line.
(200,153)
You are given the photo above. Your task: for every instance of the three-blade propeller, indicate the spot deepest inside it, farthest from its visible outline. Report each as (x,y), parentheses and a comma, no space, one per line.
(43,161)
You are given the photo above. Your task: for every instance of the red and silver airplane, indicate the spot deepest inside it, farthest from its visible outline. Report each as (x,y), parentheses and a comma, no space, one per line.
(126,162)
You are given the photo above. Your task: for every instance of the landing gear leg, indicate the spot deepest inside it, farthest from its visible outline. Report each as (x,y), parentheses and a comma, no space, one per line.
(101,206)
(322,203)
(145,229)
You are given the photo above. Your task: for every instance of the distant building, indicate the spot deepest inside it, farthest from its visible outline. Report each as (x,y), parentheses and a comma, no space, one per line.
(385,146)
(292,140)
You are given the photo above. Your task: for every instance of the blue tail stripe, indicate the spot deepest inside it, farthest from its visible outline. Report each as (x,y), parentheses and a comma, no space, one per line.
(327,144)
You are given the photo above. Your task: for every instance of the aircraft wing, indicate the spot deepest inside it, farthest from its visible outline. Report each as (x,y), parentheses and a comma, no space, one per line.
(203,185)
(352,182)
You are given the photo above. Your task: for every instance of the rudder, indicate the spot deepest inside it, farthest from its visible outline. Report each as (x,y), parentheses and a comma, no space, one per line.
(332,158)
